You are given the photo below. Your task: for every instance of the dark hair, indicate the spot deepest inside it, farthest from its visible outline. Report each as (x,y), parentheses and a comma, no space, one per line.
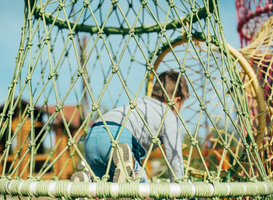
(168,79)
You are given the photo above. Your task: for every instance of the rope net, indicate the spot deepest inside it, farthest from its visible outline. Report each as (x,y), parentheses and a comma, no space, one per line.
(251,15)
(259,55)
(77,60)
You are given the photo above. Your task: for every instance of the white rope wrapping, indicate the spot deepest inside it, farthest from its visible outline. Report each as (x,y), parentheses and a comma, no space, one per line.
(144,188)
(228,187)
(244,188)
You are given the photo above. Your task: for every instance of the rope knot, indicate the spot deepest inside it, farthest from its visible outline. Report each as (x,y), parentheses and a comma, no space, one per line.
(138,178)
(176,179)
(114,143)
(203,106)
(42,11)
(189,36)
(70,142)
(28,78)
(217,179)
(163,31)
(96,178)
(10,113)
(61,6)
(114,2)
(80,72)
(95,107)
(114,69)
(155,140)
(171,4)
(132,31)
(226,146)
(246,114)
(193,9)
(133,105)
(71,35)
(207,74)
(100,33)
(46,39)
(105,177)
(149,67)
(31,144)
(239,112)
(194,142)
(50,75)
(29,44)
(128,179)
(253,179)
(246,145)
(226,111)
(255,146)
(8,143)
(170,103)
(234,82)
(30,109)
(86,3)
(182,69)
(144,2)
(58,107)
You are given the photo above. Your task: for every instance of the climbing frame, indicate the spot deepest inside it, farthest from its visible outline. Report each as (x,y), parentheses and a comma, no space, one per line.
(78,59)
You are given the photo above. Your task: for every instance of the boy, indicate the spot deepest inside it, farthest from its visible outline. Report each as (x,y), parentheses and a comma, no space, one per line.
(135,139)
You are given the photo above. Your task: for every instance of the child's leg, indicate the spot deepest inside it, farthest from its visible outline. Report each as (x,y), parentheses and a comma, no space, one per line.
(97,149)
(137,170)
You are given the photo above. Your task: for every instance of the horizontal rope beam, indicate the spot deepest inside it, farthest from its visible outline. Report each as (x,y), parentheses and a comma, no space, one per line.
(131,190)
(175,23)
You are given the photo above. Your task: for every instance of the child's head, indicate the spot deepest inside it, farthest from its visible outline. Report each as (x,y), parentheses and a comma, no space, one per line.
(168,79)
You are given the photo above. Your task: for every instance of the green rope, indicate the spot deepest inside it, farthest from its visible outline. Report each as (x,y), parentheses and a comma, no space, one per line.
(103,190)
(129,190)
(51,67)
(160,191)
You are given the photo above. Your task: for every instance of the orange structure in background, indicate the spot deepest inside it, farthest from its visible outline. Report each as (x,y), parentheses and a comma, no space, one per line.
(22,141)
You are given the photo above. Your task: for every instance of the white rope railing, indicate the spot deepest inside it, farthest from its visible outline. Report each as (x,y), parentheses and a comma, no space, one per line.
(106,189)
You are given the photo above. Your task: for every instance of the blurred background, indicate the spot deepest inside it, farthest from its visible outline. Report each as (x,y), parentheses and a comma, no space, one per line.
(11,20)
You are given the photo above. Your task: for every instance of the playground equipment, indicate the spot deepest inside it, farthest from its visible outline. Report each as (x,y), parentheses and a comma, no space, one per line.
(259,55)
(128,44)
(254,28)
(251,14)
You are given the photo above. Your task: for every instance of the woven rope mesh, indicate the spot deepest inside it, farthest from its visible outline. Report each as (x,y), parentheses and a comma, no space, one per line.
(259,54)
(79,59)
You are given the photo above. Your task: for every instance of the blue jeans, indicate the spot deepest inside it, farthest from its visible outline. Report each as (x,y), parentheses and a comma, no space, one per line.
(98,147)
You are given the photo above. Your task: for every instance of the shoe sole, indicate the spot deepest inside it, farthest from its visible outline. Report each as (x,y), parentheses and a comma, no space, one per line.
(79,177)
(120,175)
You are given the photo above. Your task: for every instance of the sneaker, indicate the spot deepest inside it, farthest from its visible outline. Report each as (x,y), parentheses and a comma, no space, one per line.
(127,155)
(80,177)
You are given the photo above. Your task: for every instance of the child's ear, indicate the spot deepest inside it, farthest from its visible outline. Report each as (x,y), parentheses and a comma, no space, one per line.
(176,99)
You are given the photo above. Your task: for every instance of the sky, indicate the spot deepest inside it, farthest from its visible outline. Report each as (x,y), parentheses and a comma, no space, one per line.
(11,20)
